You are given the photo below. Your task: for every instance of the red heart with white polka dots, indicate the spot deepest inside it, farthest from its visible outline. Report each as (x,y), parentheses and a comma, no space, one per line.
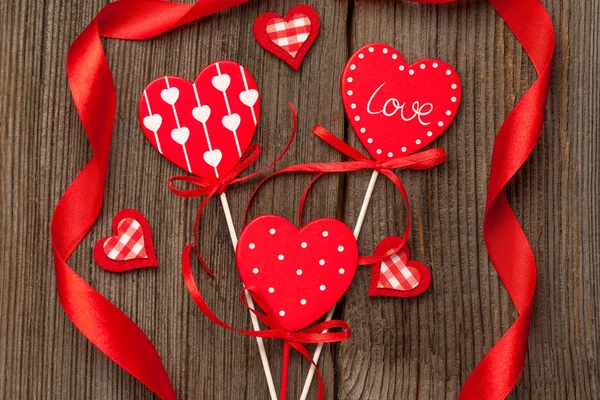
(396,109)
(299,273)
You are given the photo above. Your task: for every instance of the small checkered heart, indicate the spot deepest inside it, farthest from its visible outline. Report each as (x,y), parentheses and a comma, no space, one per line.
(298,273)
(130,248)
(396,275)
(288,38)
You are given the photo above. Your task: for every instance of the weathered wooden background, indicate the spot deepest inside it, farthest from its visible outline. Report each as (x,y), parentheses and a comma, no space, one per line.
(400,349)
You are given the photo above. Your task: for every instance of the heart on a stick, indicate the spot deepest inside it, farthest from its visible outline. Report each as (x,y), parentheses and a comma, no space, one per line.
(291,37)
(205,126)
(394,108)
(298,273)
(131,246)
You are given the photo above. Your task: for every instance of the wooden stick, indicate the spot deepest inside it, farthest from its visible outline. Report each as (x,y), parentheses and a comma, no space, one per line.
(357,229)
(250,302)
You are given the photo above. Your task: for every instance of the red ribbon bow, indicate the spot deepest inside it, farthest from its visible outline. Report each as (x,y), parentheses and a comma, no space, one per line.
(319,333)
(418,161)
(210,187)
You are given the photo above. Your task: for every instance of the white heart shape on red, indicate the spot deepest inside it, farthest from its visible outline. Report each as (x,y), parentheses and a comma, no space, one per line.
(180,135)
(170,95)
(232,122)
(213,158)
(207,135)
(153,122)
(221,82)
(396,109)
(249,97)
(201,113)
(299,274)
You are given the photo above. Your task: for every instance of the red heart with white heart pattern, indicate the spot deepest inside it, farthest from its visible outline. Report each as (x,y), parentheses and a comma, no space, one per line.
(130,248)
(204,127)
(291,37)
(299,273)
(396,109)
(397,276)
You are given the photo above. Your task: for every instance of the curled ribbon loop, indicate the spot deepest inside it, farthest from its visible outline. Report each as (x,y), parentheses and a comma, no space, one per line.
(209,187)
(418,161)
(319,333)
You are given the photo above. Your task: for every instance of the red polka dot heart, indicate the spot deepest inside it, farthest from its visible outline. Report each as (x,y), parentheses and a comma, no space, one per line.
(396,109)
(299,273)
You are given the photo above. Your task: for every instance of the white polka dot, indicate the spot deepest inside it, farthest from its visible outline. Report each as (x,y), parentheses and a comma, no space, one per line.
(350,92)
(454,86)
(453,99)
(353,67)
(390,154)
(280,257)
(379,151)
(429,133)
(303,302)
(282,313)
(325,233)
(418,141)
(411,72)
(435,65)
(357,118)
(271,290)
(340,248)
(350,79)
(361,56)
(448,112)
(370,140)
(303,244)
(299,272)
(422,66)
(322,287)
(272,231)
(255,271)
(448,72)
(321,262)
(353,106)
(403,149)
(371,49)
(363,130)
(385,50)
(440,123)
(401,68)
(394,56)
(341,271)
(251,245)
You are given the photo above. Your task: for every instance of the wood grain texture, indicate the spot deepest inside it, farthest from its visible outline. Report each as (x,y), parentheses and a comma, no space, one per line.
(400,349)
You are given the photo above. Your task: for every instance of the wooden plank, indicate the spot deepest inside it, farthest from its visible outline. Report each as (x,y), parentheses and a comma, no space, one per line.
(426,347)
(42,354)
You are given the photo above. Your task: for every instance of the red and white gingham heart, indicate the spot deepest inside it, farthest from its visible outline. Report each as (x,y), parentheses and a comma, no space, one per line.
(128,244)
(289,35)
(395,274)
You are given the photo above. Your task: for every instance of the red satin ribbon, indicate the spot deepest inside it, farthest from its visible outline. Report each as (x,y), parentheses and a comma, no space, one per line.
(418,161)
(319,333)
(508,247)
(94,96)
(92,87)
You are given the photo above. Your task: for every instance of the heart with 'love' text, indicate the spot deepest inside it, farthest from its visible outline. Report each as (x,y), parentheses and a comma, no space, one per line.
(396,109)
(299,273)
(204,127)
